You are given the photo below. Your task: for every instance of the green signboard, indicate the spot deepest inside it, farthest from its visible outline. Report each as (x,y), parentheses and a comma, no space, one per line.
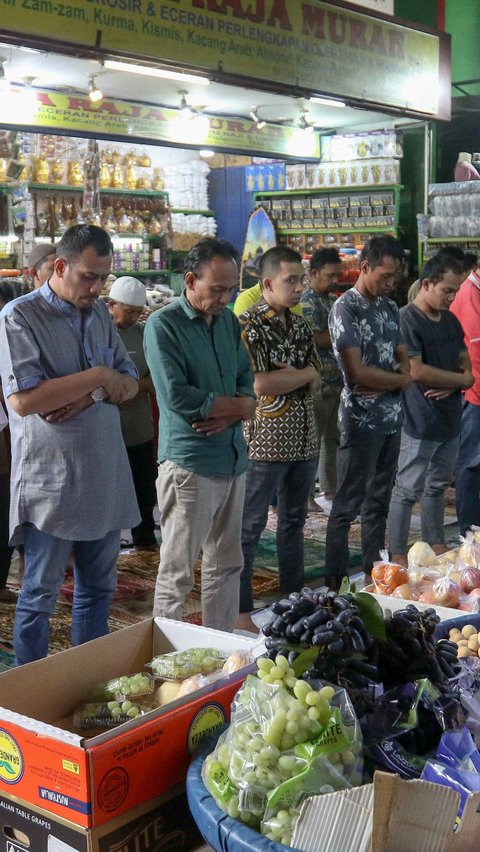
(313,45)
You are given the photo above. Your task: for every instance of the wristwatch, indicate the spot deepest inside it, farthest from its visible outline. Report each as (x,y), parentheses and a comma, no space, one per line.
(98,394)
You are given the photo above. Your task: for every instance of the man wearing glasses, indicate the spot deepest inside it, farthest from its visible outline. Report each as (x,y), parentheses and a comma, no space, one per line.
(281,437)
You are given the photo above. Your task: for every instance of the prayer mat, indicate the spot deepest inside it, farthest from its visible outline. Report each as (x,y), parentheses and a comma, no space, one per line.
(266,556)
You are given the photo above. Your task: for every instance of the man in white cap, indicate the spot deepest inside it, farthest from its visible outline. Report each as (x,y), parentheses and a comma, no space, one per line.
(40,263)
(126,304)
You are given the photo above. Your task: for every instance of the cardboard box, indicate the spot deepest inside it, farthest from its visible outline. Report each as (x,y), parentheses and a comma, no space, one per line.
(387,602)
(390,815)
(164,824)
(90,781)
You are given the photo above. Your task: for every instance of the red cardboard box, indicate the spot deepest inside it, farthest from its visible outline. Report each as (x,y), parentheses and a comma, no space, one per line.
(90,781)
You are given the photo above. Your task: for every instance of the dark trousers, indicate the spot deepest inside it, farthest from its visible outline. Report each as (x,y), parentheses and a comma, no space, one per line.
(291,482)
(5,550)
(144,472)
(366,467)
(467,474)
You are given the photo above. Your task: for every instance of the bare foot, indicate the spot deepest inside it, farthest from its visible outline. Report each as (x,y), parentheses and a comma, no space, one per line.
(400,559)
(244,622)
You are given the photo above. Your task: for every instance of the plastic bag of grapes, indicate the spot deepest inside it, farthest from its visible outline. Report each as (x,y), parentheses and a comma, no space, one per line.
(179,665)
(124,686)
(109,714)
(277,733)
(319,776)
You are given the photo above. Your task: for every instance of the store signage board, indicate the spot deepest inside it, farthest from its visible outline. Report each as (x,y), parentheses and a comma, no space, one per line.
(75,115)
(383,6)
(291,43)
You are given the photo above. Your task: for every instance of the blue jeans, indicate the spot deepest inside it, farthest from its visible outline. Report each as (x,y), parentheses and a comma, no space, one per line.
(425,470)
(366,466)
(467,475)
(95,581)
(291,481)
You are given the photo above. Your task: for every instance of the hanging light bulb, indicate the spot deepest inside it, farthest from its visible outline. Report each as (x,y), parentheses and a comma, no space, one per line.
(94,93)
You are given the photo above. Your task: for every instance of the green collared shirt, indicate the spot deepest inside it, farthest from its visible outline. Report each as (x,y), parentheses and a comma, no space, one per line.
(191,364)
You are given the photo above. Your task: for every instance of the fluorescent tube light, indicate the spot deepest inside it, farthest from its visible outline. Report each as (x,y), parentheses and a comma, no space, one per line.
(148,71)
(326,102)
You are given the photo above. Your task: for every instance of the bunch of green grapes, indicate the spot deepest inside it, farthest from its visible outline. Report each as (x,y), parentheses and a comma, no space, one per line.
(106,714)
(124,686)
(279,826)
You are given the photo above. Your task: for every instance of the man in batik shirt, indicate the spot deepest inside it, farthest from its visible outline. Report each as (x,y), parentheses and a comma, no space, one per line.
(282,440)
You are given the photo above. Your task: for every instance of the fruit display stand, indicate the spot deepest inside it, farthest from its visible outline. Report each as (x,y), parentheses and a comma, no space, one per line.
(336,739)
(390,815)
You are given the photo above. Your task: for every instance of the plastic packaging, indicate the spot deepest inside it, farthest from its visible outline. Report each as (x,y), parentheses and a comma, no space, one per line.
(276,737)
(237,660)
(388,575)
(124,686)
(421,555)
(182,664)
(108,714)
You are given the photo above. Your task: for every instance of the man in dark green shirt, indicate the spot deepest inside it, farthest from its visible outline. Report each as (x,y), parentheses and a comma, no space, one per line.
(204,385)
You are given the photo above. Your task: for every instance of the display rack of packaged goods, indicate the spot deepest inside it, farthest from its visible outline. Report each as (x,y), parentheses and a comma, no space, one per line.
(343,216)
(140,251)
(453,218)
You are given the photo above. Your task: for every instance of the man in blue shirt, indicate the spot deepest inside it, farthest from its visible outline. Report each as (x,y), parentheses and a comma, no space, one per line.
(65,371)
(204,385)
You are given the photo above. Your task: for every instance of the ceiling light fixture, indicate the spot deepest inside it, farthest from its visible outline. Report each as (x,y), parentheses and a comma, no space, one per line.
(148,71)
(255,117)
(326,101)
(94,93)
(186,112)
(206,153)
(304,124)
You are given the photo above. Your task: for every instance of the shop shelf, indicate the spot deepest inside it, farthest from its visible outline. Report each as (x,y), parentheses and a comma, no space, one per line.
(334,190)
(58,187)
(352,230)
(192,212)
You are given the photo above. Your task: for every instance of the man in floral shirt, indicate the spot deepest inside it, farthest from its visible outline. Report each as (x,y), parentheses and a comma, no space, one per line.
(365,331)
(281,437)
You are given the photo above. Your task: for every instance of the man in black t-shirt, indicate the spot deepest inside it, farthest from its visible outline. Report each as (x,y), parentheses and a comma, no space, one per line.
(432,405)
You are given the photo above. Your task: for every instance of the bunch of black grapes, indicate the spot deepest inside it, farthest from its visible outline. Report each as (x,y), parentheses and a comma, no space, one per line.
(411,651)
(348,654)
